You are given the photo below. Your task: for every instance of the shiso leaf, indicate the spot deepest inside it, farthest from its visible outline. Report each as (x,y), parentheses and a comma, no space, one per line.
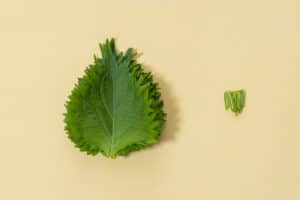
(235,100)
(115,108)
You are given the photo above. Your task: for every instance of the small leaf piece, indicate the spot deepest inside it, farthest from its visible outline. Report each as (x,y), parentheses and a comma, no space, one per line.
(235,100)
(115,108)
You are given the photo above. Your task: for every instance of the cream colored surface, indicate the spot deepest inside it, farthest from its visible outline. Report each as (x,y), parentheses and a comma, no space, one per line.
(197,49)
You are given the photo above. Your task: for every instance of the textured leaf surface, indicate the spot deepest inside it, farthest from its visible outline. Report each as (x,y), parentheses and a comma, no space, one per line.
(235,100)
(115,107)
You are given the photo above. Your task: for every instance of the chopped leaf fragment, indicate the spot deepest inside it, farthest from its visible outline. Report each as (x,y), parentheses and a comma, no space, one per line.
(235,100)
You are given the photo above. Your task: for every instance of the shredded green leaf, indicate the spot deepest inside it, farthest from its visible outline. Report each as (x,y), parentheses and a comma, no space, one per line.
(235,100)
(115,108)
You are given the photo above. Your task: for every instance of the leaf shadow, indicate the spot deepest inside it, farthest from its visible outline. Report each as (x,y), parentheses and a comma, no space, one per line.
(171,107)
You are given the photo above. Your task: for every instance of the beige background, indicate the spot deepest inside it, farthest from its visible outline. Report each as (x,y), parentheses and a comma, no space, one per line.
(197,49)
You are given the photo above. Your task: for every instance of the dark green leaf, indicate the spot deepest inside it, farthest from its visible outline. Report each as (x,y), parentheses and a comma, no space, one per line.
(115,108)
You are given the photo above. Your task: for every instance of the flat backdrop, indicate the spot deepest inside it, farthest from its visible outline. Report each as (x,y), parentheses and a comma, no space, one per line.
(196,49)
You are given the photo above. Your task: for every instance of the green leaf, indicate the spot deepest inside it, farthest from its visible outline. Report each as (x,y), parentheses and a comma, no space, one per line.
(235,100)
(115,108)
